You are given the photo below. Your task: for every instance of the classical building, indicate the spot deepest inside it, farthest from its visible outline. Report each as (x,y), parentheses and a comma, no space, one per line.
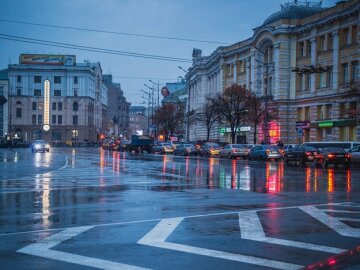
(54,98)
(4,104)
(304,63)
(117,110)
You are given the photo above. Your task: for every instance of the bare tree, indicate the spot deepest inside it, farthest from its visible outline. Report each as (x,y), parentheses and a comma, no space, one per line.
(208,115)
(260,111)
(169,117)
(232,107)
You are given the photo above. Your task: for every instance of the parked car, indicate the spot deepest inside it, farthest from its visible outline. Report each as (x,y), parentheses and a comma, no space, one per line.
(210,149)
(355,155)
(332,155)
(300,154)
(265,152)
(163,148)
(40,146)
(232,151)
(344,145)
(106,144)
(184,149)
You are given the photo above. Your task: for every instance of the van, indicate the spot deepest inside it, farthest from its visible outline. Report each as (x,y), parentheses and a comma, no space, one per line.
(345,145)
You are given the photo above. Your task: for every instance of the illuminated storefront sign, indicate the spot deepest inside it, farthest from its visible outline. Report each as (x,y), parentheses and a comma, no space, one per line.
(239,129)
(46,126)
(326,124)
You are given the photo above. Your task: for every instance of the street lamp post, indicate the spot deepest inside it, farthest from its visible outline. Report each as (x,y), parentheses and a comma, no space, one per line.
(158,92)
(148,98)
(188,107)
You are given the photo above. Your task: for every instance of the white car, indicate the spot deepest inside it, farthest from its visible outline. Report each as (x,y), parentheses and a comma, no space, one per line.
(40,146)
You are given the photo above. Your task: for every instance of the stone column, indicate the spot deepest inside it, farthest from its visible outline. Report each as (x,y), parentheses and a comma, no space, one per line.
(235,72)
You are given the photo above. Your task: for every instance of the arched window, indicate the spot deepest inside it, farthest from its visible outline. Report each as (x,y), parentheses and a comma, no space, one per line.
(18,102)
(75,106)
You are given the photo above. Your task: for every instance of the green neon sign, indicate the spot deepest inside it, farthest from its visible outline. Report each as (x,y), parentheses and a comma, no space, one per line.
(326,124)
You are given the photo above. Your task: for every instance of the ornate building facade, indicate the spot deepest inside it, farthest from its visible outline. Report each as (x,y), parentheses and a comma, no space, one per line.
(54,98)
(302,61)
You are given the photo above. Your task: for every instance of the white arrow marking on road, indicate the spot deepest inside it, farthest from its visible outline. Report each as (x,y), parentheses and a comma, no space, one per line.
(251,229)
(333,222)
(158,235)
(42,249)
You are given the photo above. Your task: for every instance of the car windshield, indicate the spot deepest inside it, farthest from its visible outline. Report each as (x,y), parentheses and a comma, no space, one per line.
(188,145)
(166,144)
(40,142)
(237,145)
(213,145)
(333,149)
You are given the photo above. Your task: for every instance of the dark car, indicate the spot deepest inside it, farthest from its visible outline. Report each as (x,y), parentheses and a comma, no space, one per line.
(300,154)
(184,149)
(265,152)
(332,155)
(210,149)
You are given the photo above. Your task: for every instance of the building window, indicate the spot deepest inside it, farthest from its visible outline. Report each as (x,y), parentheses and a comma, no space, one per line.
(57,93)
(354,34)
(329,77)
(18,91)
(301,49)
(328,108)
(75,80)
(321,43)
(53,119)
(54,106)
(345,72)
(40,105)
(33,119)
(355,71)
(37,93)
(307,113)
(34,106)
(75,92)
(75,120)
(40,119)
(57,79)
(18,112)
(307,82)
(60,106)
(322,82)
(342,108)
(75,106)
(345,37)
(37,79)
(308,48)
(330,42)
(18,79)
(59,119)
(299,114)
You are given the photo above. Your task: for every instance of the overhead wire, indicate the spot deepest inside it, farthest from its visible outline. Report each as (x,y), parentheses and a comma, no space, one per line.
(114,32)
(92,49)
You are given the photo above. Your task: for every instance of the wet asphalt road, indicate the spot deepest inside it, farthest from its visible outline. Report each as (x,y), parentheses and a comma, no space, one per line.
(86,208)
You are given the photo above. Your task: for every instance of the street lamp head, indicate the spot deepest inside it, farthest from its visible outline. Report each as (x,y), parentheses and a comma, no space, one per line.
(182,69)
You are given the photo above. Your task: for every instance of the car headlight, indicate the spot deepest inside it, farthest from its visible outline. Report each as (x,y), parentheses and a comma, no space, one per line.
(37,146)
(47,145)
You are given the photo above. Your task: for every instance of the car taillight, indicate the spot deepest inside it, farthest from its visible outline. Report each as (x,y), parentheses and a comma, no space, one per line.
(267,151)
(308,153)
(330,155)
(347,155)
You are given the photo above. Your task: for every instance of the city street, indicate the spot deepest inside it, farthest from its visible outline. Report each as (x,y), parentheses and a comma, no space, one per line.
(88,208)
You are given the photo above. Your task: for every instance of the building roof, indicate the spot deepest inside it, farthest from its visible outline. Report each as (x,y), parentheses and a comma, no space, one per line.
(293,11)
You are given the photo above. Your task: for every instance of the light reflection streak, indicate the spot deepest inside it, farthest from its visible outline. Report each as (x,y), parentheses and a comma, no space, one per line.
(233,174)
(308,179)
(73,157)
(102,160)
(331,180)
(348,180)
(211,172)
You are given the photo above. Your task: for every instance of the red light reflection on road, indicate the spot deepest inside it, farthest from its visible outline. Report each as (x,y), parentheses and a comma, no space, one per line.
(348,180)
(308,179)
(273,178)
(331,180)
(211,172)
(233,174)
(187,166)
(102,160)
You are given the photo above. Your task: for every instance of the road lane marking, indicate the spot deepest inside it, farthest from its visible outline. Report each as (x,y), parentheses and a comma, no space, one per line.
(251,229)
(43,249)
(158,235)
(330,221)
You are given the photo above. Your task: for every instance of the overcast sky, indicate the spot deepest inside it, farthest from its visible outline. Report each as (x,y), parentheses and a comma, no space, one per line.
(225,21)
